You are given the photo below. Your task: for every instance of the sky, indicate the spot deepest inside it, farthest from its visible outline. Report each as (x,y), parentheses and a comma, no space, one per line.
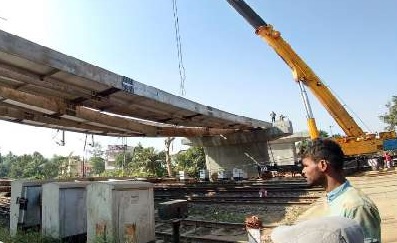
(350,45)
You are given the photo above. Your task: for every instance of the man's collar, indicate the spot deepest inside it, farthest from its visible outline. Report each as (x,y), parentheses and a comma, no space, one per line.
(337,191)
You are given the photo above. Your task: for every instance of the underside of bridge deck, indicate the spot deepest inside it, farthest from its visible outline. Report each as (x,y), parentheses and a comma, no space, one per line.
(42,87)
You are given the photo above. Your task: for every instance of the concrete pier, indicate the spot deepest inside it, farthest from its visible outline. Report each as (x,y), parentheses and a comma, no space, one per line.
(243,150)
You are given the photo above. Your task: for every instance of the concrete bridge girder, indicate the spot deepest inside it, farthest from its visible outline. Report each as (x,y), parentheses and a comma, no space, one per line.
(90,99)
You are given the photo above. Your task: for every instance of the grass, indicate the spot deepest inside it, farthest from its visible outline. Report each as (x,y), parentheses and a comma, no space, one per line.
(25,237)
(36,237)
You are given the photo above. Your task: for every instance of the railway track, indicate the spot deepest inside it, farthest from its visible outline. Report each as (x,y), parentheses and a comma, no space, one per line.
(4,205)
(236,189)
(194,230)
(168,237)
(270,200)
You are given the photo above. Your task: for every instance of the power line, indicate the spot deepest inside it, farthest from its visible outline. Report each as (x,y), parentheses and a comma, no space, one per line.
(182,73)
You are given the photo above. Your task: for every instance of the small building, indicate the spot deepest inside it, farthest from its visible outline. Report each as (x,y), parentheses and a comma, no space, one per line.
(112,152)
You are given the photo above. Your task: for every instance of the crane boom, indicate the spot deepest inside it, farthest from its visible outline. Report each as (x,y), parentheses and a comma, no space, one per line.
(356,142)
(301,71)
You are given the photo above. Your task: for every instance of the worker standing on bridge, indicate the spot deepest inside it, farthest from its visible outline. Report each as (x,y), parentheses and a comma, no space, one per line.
(323,165)
(273,116)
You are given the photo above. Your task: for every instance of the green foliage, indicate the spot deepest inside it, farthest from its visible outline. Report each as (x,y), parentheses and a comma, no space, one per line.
(113,173)
(59,164)
(324,134)
(4,170)
(30,166)
(5,164)
(140,162)
(147,162)
(124,159)
(50,169)
(98,165)
(96,150)
(390,117)
(191,160)
(25,237)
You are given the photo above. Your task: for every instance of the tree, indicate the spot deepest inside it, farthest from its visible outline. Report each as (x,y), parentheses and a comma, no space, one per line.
(390,117)
(147,162)
(60,164)
(4,170)
(31,166)
(124,159)
(323,134)
(52,167)
(96,160)
(96,150)
(191,160)
(168,142)
(34,167)
(6,163)
(98,165)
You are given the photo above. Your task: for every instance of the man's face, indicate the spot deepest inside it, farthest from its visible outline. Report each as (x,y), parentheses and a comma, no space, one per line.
(312,172)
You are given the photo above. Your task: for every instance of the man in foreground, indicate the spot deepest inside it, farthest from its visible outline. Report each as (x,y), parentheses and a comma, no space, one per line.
(322,164)
(335,229)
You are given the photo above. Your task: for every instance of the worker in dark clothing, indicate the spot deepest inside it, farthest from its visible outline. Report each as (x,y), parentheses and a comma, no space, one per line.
(273,116)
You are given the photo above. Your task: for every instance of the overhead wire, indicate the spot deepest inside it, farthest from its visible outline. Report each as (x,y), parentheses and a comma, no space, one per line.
(182,71)
(62,141)
(178,40)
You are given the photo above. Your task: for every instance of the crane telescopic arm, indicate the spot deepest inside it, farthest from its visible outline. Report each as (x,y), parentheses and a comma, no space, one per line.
(302,73)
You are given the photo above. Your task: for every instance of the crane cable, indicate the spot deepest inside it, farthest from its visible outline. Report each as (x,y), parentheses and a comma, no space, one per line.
(62,141)
(347,107)
(182,73)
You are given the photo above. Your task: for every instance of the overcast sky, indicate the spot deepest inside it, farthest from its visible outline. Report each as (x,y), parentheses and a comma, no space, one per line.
(350,44)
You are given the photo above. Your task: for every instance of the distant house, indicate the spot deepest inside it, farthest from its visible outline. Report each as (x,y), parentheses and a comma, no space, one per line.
(112,152)
(74,166)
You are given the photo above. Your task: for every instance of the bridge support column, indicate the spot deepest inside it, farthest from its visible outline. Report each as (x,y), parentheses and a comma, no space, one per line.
(243,150)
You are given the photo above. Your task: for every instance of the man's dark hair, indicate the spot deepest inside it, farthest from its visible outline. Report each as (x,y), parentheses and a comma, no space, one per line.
(327,149)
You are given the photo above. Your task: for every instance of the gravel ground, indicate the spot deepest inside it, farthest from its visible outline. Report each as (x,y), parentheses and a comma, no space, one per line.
(269,215)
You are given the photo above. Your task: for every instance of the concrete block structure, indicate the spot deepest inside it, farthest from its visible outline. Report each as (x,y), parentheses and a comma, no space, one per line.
(120,211)
(25,207)
(64,211)
(283,151)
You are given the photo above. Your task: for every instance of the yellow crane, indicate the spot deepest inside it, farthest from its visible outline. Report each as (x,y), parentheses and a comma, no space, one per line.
(356,142)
